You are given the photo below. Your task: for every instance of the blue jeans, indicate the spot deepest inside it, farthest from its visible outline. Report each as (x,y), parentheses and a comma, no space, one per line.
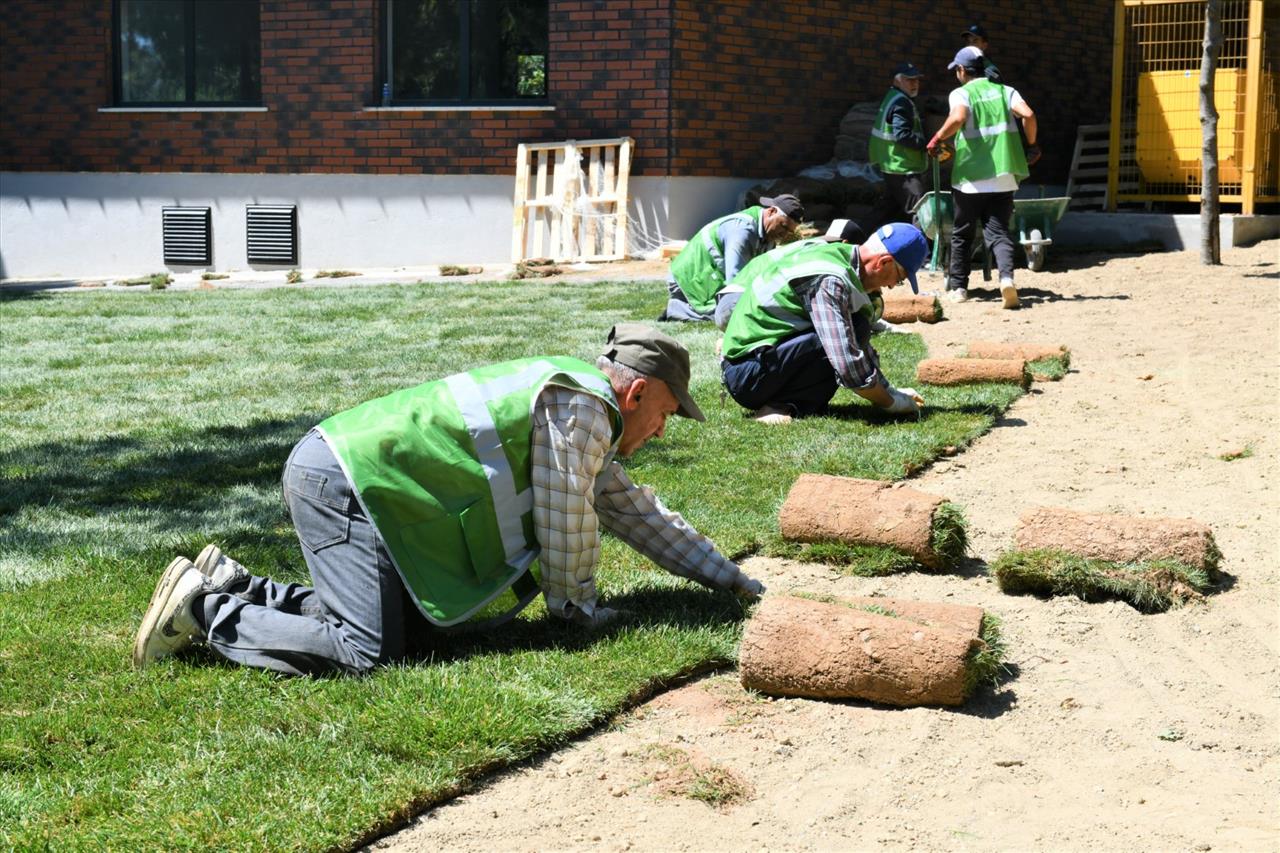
(357,614)
(794,375)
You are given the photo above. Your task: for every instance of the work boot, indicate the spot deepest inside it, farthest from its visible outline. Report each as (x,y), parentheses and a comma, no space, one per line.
(168,626)
(770,415)
(221,570)
(1009,293)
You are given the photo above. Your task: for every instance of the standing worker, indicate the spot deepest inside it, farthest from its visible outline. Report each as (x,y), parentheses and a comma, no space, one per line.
(456,500)
(989,163)
(897,145)
(720,249)
(803,325)
(975,35)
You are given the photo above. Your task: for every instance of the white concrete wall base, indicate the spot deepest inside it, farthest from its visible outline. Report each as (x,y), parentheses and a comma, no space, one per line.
(78,225)
(1172,231)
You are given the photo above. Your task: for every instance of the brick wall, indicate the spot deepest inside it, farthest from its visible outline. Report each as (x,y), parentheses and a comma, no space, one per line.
(608,76)
(759,87)
(723,88)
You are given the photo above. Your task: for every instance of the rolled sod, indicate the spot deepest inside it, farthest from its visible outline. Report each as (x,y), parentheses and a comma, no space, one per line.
(822,508)
(1117,538)
(964,618)
(912,309)
(801,647)
(968,371)
(1026,352)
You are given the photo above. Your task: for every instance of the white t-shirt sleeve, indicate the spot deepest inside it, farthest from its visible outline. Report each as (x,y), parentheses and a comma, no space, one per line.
(958,98)
(1014,98)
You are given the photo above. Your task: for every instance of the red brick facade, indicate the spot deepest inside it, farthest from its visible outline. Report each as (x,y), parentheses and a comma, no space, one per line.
(725,88)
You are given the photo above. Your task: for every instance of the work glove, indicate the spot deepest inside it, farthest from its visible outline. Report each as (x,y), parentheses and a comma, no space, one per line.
(748,588)
(939,149)
(598,618)
(905,401)
(1033,153)
(885,326)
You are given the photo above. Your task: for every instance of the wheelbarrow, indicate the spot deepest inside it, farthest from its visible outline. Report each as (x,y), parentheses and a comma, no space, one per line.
(1034,219)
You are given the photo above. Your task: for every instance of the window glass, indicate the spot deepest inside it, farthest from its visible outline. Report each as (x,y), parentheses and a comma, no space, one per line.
(188,51)
(153,37)
(227,51)
(468,50)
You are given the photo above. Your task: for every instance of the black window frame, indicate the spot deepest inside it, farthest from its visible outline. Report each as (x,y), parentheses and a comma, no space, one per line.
(386,81)
(189,63)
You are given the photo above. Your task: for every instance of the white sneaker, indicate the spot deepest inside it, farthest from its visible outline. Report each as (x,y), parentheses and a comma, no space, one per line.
(770,415)
(168,625)
(221,570)
(959,294)
(1009,293)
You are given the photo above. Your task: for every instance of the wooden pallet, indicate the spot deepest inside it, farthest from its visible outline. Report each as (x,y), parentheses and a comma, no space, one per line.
(571,200)
(1087,181)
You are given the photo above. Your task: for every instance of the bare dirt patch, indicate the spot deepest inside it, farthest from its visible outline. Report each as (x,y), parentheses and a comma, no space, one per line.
(1119,730)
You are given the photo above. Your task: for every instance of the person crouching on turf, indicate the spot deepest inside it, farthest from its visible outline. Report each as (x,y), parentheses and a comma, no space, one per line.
(455,501)
(803,325)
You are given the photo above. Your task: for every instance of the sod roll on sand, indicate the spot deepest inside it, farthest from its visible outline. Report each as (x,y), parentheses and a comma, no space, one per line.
(801,647)
(965,618)
(967,371)
(822,508)
(1118,538)
(1026,352)
(912,309)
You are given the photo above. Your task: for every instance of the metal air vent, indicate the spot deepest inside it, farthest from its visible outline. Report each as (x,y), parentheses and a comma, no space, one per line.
(188,236)
(272,230)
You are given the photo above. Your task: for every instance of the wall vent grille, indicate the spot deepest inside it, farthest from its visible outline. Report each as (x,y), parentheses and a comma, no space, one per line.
(272,230)
(188,236)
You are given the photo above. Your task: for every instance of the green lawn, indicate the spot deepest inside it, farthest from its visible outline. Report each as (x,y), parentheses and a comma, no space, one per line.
(137,425)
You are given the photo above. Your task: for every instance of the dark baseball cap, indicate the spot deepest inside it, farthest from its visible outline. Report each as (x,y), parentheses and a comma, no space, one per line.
(647,350)
(844,231)
(906,69)
(787,203)
(974,30)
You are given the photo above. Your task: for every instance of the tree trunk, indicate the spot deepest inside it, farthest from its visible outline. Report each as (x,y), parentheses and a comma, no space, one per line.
(1210,250)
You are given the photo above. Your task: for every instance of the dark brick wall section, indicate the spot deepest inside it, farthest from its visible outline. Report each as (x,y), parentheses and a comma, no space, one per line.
(609,76)
(759,87)
(723,88)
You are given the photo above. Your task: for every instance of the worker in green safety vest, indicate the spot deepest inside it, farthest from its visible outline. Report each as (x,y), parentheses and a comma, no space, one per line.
(989,163)
(720,249)
(803,325)
(897,145)
(453,502)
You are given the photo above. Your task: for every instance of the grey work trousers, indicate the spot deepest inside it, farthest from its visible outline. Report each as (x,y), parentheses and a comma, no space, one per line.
(358,612)
(678,307)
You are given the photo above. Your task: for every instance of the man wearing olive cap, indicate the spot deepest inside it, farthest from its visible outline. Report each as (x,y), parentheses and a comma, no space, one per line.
(720,249)
(456,501)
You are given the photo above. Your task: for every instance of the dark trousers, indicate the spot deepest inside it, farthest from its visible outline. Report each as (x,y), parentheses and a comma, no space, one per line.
(794,375)
(991,212)
(902,193)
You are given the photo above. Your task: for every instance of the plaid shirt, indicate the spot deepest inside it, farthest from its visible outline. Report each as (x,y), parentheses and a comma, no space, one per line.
(575,491)
(845,336)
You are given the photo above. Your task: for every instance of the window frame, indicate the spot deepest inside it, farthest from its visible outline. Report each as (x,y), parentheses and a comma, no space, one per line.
(387,70)
(189,64)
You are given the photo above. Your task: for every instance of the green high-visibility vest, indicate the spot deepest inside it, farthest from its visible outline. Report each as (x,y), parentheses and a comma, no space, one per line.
(699,268)
(770,311)
(886,152)
(442,471)
(988,145)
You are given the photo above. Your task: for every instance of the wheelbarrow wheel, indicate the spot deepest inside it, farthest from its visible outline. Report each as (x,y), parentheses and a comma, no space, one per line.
(1036,251)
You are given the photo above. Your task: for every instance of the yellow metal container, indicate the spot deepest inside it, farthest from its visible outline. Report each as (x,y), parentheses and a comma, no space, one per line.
(1169,139)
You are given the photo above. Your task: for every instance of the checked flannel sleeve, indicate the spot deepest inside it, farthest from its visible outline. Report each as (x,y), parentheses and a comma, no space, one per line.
(856,365)
(575,492)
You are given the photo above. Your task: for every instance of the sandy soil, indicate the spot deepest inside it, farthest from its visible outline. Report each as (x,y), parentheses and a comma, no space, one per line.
(1117,731)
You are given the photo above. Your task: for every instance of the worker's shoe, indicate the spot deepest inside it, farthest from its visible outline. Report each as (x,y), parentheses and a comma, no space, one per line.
(958,294)
(1009,294)
(168,626)
(770,415)
(221,570)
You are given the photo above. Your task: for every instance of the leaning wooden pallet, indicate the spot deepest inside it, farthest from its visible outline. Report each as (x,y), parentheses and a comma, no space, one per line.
(571,200)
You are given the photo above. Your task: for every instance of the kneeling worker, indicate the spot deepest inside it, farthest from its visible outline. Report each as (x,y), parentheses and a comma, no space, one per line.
(719,251)
(803,325)
(454,501)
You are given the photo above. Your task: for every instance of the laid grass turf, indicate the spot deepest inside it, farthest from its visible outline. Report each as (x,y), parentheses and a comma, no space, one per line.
(1151,586)
(139,424)
(1049,369)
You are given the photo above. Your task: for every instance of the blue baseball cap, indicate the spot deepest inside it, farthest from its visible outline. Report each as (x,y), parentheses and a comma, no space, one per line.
(907,246)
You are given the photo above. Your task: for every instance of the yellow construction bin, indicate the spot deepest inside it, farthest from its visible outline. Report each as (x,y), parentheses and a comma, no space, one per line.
(1169,138)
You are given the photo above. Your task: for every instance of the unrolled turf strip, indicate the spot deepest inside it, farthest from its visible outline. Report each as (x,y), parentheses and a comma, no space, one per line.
(801,647)
(822,508)
(913,309)
(1118,538)
(967,371)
